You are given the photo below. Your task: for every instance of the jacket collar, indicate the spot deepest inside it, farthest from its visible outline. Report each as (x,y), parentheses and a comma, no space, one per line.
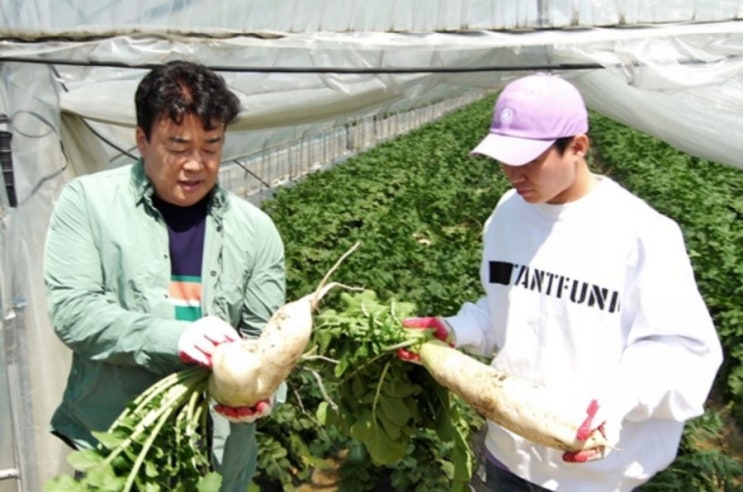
(143,191)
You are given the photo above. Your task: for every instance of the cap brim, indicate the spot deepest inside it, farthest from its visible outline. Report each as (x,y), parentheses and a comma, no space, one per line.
(511,150)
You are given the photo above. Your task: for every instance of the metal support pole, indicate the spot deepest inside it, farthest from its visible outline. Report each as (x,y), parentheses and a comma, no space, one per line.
(543,8)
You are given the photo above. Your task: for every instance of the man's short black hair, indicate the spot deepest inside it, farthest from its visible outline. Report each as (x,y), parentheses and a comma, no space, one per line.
(180,87)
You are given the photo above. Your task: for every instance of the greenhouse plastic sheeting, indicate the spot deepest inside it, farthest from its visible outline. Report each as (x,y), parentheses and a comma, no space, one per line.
(689,74)
(116,17)
(301,68)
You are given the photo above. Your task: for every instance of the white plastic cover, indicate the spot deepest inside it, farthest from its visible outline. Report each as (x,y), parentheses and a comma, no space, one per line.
(290,16)
(302,68)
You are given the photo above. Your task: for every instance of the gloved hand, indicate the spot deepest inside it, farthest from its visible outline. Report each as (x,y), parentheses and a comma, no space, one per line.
(245,415)
(440,331)
(598,419)
(197,342)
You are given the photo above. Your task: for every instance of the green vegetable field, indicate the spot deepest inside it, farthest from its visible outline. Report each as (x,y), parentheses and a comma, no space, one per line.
(417,205)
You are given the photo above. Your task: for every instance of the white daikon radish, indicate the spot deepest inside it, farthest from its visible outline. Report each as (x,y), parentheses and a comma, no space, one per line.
(521,406)
(249,371)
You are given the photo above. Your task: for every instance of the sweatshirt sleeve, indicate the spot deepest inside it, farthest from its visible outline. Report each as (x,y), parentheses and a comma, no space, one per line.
(673,351)
(472,328)
(87,319)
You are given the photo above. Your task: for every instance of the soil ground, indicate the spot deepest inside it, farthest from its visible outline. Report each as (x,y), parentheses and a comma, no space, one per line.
(730,440)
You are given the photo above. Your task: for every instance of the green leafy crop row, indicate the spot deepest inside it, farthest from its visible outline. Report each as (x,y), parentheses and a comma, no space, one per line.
(417,204)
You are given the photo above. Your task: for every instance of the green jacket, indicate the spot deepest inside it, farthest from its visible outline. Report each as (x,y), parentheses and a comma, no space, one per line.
(107,272)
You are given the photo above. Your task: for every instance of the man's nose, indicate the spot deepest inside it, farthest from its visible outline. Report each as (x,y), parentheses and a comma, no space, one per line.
(194,162)
(513,173)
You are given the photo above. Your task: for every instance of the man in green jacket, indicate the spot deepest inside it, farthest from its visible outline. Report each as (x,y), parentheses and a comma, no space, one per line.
(149,266)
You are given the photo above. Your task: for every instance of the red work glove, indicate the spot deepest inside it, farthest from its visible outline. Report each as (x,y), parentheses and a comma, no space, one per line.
(440,331)
(245,415)
(596,421)
(197,342)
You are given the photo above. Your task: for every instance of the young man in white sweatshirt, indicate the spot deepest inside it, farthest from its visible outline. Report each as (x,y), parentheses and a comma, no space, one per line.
(587,290)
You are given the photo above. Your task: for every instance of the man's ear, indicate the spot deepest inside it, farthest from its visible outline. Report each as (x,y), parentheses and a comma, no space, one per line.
(580,144)
(141,139)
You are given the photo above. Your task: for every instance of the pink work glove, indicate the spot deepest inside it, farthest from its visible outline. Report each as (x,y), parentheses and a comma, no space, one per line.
(244,415)
(597,420)
(437,325)
(198,340)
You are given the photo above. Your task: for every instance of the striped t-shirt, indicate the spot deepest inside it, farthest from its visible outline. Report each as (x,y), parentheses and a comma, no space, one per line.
(186,226)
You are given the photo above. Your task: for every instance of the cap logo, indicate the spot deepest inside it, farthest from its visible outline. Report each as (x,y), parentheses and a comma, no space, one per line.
(506,115)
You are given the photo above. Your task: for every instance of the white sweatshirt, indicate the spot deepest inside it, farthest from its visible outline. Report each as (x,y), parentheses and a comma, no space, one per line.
(597,295)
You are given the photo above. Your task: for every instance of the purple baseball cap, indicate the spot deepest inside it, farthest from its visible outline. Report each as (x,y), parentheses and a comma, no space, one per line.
(530,114)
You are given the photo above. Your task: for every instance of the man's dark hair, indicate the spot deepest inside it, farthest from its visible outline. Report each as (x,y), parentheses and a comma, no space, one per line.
(178,88)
